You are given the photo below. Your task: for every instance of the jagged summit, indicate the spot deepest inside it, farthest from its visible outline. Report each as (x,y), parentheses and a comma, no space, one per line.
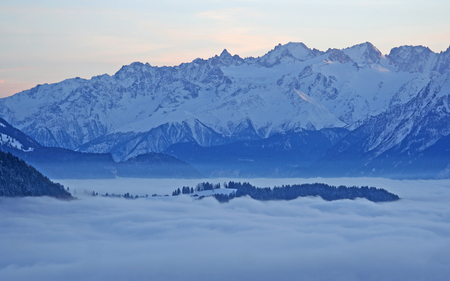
(225,53)
(411,59)
(133,68)
(364,54)
(288,53)
(226,59)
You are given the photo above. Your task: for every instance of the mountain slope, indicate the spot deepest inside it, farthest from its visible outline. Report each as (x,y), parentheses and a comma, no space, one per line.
(13,138)
(408,140)
(156,165)
(281,155)
(19,179)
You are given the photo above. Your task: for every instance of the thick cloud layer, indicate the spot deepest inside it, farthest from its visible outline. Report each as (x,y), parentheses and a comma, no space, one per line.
(177,238)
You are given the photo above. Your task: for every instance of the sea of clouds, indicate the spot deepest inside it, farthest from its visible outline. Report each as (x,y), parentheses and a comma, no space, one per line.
(179,238)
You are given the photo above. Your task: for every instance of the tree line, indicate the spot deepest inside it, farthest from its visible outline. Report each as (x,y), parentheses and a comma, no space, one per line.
(290,192)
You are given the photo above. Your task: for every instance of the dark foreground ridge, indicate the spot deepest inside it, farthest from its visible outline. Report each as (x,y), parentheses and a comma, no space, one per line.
(17,179)
(290,192)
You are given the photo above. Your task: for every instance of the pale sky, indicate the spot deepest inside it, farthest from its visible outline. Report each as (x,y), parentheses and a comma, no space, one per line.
(49,41)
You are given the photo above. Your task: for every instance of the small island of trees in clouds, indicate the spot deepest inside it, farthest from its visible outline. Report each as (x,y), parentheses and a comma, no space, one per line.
(289,192)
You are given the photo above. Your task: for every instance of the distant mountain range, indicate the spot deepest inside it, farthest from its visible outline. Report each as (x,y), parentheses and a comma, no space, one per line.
(294,111)
(56,162)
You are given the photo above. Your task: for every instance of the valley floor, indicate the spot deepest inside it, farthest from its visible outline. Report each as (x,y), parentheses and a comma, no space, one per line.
(179,238)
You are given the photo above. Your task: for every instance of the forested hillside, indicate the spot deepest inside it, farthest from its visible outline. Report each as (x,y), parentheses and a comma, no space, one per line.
(19,179)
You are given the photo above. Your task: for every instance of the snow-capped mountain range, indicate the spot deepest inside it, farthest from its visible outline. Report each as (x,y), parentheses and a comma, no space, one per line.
(226,98)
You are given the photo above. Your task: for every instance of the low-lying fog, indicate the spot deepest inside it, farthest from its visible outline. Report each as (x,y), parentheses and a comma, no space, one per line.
(178,238)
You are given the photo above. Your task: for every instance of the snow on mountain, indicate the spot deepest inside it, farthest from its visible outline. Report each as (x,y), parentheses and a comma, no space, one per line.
(289,53)
(143,108)
(443,62)
(426,119)
(364,54)
(412,58)
(410,138)
(12,142)
(10,137)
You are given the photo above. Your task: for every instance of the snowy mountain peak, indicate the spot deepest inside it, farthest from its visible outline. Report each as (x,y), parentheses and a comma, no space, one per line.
(132,68)
(410,59)
(364,54)
(290,52)
(225,54)
(225,59)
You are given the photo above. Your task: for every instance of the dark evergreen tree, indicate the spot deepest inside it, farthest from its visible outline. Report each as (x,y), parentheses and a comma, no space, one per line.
(176,192)
(186,190)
